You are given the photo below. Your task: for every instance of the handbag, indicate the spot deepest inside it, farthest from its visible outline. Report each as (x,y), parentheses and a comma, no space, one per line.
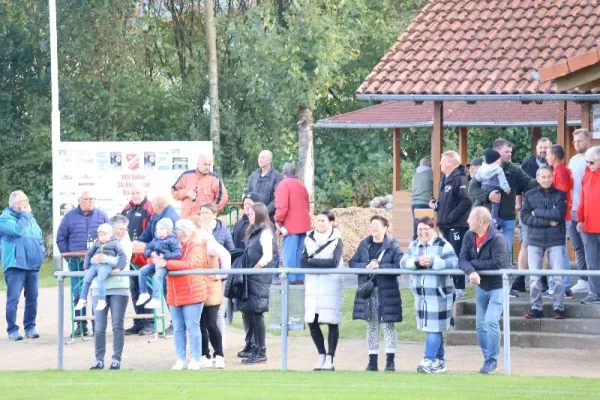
(366,289)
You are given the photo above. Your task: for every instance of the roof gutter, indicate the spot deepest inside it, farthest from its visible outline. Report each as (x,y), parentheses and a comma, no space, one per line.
(479,97)
(390,125)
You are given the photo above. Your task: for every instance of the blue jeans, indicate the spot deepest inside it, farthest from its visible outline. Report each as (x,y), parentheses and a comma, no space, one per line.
(16,280)
(76,265)
(187,319)
(434,346)
(100,272)
(508,229)
(488,309)
(291,251)
(157,281)
(535,256)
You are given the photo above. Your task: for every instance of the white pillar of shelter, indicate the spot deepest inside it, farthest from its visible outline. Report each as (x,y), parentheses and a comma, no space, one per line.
(55,129)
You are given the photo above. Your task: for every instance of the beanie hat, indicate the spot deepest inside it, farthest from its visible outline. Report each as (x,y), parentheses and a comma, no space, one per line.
(105,228)
(491,156)
(165,223)
(255,197)
(476,162)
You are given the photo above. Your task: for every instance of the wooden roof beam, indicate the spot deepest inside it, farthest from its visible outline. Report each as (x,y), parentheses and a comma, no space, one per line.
(578,78)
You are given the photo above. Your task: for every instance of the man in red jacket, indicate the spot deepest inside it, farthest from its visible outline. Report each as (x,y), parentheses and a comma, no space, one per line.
(588,215)
(562,179)
(138,211)
(292,218)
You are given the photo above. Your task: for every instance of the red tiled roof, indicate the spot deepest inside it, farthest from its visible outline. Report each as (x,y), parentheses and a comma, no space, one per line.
(401,114)
(570,65)
(464,47)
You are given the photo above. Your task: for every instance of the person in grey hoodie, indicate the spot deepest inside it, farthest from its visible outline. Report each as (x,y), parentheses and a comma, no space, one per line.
(422,189)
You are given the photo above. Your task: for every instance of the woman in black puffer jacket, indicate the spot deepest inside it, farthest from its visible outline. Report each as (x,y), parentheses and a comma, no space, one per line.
(384,306)
(257,254)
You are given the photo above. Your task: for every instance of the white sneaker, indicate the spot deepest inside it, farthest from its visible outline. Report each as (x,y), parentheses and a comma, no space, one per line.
(581,287)
(152,304)
(328,364)
(101,305)
(144,297)
(194,365)
(319,363)
(426,366)
(80,304)
(205,362)
(438,366)
(219,362)
(179,365)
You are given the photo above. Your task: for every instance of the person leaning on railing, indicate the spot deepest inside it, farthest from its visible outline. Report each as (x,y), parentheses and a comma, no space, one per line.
(434,294)
(186,293)
(485,249)
(117,296)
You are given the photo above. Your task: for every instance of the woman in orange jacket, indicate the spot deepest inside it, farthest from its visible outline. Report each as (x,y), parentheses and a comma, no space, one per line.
(186,294)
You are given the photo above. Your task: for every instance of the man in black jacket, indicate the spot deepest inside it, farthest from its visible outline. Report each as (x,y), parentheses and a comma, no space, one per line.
(484,249)
(264,181)
(544,210)
(530,166)
(519,182)
(453,206)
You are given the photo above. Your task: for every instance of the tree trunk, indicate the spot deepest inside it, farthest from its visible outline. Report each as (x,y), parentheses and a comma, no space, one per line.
(306,162)
(213,79)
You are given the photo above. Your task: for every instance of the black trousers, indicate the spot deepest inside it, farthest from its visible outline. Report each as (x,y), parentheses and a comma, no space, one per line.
(134,287)
(455,237)
(256,328)
(317,336)
(210,331)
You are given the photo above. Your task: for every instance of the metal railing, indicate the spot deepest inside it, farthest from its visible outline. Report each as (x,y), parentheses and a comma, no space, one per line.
(283,272)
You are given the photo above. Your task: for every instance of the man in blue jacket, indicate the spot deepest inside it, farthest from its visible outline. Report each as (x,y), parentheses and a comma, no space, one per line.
(77,227)
(22,256)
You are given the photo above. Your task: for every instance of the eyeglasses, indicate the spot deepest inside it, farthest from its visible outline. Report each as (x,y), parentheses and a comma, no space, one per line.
(87,198)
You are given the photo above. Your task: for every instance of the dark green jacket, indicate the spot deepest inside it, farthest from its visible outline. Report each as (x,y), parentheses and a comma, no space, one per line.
(519,182)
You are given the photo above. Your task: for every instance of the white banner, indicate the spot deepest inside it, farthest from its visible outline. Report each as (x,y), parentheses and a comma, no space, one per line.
(111,168)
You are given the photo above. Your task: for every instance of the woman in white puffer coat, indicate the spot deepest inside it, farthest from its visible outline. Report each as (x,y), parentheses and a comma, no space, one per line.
(324,293)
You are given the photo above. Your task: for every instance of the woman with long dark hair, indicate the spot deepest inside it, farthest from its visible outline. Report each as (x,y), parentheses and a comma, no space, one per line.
(257,254)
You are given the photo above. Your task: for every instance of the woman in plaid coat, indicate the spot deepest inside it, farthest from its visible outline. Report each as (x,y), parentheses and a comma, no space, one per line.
(434,294)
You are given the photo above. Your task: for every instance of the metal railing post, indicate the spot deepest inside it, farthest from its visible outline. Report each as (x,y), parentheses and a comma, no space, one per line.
(506,321)
(284,319)
(61,323)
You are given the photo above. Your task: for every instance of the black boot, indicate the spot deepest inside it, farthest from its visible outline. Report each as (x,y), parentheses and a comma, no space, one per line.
(246,351)
(259,356)
(372,363)
(390,365)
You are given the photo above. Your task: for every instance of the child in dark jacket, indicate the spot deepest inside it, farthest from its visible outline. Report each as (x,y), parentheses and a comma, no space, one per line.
(109,246)
(164,245)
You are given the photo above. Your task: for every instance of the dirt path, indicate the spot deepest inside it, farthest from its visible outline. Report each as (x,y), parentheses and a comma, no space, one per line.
(351,354)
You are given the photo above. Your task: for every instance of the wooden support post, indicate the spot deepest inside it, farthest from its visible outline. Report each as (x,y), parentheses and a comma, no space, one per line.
(586,116)
(536,135)
(436,144)
(570,148)
(397,165)
(562,129)
(462,145)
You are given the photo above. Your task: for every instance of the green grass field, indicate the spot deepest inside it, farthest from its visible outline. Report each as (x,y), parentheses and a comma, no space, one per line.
(47,278)
(356,329)
(285,385)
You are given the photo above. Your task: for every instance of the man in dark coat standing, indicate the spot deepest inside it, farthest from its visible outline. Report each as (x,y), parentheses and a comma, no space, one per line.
(453,207)
(543,213)
(484,249)
(138,212)
(264,181)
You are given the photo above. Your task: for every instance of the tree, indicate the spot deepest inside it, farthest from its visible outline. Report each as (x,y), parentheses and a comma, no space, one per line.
(213,80)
